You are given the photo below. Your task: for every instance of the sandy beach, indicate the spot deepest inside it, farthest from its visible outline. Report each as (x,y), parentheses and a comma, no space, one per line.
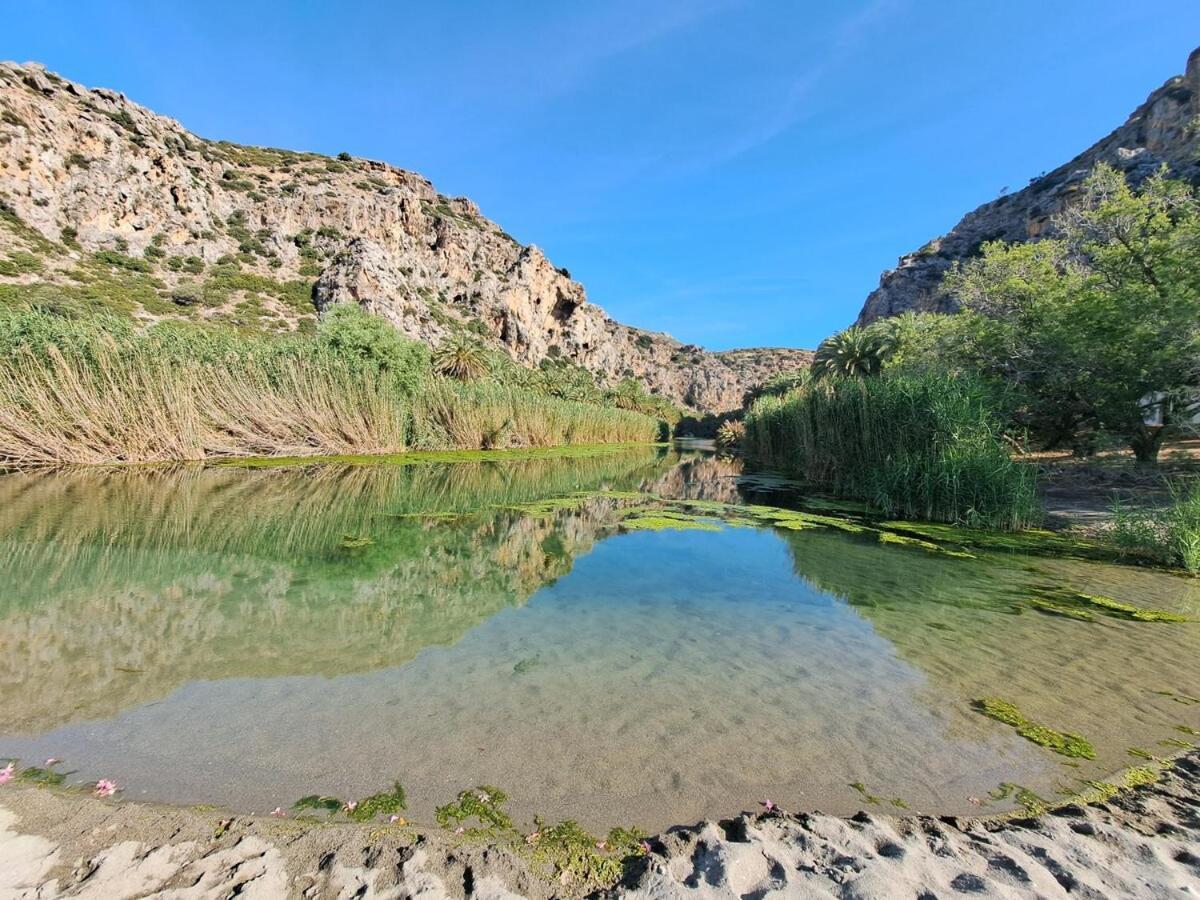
(1143,843)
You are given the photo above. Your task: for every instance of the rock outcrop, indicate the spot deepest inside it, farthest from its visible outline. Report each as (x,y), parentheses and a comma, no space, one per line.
(1163,130)
(89,178)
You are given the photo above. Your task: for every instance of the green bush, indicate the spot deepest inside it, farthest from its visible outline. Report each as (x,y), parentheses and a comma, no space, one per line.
(920,447)
(357,336)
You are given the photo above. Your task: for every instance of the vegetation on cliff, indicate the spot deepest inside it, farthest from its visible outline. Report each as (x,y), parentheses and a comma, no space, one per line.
(1092,336)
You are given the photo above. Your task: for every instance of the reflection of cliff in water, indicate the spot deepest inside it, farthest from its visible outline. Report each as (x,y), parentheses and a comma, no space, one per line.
(968,627)
(122,586)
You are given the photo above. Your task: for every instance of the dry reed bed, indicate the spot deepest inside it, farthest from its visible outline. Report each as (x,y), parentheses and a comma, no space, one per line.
(113,406)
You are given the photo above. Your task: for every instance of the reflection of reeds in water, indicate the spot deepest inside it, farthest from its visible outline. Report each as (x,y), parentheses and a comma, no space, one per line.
(277,514)
(128,584)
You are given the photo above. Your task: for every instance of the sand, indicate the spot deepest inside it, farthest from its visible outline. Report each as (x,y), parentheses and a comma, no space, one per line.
(1144,843)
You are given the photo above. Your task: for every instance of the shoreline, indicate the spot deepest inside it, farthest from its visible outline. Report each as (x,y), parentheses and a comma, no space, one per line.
(1145,841)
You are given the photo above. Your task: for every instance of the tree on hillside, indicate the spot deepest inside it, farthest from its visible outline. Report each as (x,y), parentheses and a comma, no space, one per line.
(1100,326)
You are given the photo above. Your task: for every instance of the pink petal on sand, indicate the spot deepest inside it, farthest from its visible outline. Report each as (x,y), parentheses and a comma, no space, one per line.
(768,805)
(105,788)
(278,811)
(6,774)
(646,846)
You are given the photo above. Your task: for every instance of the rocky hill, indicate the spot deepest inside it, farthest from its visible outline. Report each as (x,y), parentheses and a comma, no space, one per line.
(106,204)
(1164,129)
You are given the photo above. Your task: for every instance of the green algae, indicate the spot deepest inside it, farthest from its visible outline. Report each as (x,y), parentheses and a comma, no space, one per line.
(666,520)
(900,540)
(484,804)
(1139,753)
(419,457)
(1041,604)
(1037,542)
(1177,744)
(382,803)
(1031,803)
(1063,743)
(528,664)
(42,776)
(319,802)
(866,795)
(570,855)
(1187,729)
(1078,605)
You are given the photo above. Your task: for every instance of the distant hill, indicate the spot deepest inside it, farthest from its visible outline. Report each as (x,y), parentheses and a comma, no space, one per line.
(111,206)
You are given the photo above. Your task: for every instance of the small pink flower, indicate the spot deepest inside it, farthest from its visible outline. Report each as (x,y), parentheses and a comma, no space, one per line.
(768,805)
(975,800)
(600,845)
(459,830)
(532,837)
(52,761)
(393,819)
(105,788)
(6,774)
(646,847)
(279,813)
(351,806)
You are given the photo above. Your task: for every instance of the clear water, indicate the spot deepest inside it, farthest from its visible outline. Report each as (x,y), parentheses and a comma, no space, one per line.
(227,636)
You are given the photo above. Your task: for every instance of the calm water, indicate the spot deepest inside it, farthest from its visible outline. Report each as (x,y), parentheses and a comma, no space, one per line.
(243,638)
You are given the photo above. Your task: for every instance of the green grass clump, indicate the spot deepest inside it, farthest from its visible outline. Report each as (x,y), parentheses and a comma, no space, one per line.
(1062,743)
(921,447)
(1169,536)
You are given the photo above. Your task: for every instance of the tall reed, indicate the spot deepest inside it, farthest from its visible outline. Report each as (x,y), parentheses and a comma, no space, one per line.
(74,396)
(922,447)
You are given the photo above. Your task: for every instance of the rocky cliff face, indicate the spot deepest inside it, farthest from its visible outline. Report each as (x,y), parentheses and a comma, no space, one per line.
(268,238)
(1164,129)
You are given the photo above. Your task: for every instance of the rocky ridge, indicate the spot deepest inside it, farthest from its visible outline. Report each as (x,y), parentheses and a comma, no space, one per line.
(97,190)
(1163,130)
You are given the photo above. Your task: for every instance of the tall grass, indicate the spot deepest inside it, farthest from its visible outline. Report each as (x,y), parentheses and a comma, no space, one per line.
(1170,535)
(80,393)
(922,447)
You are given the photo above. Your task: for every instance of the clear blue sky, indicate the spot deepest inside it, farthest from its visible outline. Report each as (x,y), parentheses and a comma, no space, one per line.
(737,173)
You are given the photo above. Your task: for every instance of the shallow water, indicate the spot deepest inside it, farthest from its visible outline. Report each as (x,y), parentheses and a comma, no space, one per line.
(244,638)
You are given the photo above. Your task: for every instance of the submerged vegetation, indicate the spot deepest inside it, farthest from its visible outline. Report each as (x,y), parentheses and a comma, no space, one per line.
(1063,743)
(96,391)
(924,447)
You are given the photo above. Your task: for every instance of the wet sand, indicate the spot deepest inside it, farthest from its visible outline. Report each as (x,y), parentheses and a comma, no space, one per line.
(1143,843)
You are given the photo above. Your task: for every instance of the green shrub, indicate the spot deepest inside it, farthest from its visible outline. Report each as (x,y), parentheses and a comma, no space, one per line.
(357,336)
(920,447)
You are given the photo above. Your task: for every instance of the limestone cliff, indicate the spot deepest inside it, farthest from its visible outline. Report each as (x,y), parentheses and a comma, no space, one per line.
(95,187)
(1164,129)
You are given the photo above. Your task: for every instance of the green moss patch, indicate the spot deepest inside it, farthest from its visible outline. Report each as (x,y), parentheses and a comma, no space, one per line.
(1063,743)
(665,520)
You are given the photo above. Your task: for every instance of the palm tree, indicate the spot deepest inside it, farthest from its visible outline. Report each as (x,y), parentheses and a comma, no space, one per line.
(856,352)
(461,356)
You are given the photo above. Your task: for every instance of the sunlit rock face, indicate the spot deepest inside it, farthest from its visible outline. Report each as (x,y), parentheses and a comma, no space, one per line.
(119,177)
(1162,131)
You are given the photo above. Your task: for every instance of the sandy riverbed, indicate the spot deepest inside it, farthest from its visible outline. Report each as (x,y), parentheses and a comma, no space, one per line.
(1144,843)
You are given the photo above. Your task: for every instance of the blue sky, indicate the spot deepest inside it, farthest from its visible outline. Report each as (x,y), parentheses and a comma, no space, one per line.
(737,173)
